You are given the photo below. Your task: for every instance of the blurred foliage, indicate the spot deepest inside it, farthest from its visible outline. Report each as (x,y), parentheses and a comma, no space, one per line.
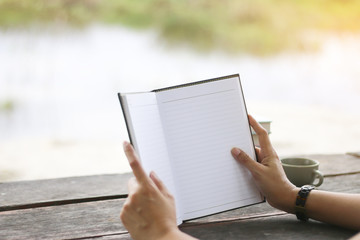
(7,106)
(254,26)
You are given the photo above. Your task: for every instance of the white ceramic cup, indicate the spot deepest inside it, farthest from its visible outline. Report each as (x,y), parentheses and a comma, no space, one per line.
(302,171)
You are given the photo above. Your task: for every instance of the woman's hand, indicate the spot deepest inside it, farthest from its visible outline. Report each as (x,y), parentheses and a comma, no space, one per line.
(342,209)
(268,172)
(149,210)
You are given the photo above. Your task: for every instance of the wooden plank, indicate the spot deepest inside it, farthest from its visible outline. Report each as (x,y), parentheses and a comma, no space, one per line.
(345,183)
(41,192)
(63,222)
(101,219)
(277,227)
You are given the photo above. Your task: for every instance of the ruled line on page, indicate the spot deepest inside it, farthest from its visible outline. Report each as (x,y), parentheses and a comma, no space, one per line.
(179,99)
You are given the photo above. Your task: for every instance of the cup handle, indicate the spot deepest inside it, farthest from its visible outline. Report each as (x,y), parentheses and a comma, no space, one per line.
(320,176)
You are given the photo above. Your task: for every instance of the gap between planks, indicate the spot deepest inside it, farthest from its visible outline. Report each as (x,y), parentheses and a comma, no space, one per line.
(60,202)
(341,174)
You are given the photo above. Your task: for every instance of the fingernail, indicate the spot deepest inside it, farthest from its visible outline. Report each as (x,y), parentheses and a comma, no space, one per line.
(125,144)
(235,151)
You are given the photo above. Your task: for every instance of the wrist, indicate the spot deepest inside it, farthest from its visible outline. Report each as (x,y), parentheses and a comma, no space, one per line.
(301,198)
(288,200)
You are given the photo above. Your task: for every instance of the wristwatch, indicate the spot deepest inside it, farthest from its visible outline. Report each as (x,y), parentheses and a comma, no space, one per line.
(300,210)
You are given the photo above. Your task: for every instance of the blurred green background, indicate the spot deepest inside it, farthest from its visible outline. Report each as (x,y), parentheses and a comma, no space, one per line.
(259,27)
(62,63)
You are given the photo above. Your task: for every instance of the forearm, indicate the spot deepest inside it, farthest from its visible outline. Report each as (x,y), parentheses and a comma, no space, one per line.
(340,209)
(335,208)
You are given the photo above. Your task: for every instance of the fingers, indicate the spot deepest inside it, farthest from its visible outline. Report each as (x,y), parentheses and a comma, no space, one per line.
(133,185)
(258,154)
(246,160)
(264,140)
(134,162)
(160,185)
(128,214)
(139,172)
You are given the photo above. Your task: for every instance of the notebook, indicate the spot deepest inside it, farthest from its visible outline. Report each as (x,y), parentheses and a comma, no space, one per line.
(185,133)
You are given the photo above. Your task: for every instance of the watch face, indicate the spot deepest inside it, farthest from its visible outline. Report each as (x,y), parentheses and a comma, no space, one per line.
(307,188)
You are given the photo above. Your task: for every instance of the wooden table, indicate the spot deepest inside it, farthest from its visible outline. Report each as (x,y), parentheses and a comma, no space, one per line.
(88,208)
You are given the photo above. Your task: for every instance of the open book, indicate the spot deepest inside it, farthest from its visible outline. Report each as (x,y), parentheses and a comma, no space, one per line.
(185,134)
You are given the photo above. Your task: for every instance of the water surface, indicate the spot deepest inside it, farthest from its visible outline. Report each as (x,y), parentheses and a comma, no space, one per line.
(66,119)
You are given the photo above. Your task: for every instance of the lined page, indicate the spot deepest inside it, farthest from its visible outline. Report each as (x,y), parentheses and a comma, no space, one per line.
(202,123)
(148,138)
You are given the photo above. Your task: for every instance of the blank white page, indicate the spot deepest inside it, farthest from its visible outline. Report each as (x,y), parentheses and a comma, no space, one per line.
(202,123)
(148,137)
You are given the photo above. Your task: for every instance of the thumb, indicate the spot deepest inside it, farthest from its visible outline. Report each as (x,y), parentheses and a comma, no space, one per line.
(246,160)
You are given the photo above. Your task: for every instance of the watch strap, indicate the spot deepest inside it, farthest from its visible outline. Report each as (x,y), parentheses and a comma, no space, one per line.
(301,198)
